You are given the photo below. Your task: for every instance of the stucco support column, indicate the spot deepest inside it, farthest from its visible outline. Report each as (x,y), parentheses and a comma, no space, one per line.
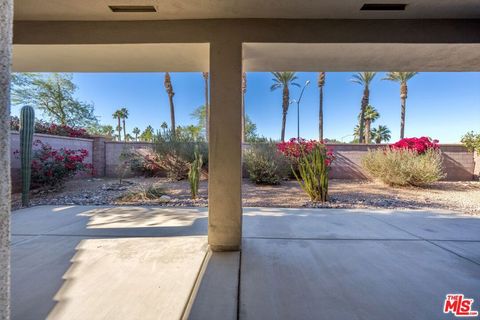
(6,15)
(225,153)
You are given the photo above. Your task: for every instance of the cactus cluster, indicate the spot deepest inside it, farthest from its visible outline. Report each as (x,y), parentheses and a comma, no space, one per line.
(27,126)
(194,174)
(312,176)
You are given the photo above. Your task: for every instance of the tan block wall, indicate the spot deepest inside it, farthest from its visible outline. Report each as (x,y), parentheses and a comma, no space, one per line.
(113,150)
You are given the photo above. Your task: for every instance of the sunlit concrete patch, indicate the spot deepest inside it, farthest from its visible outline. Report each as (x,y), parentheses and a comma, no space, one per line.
(142,278)
(140,217)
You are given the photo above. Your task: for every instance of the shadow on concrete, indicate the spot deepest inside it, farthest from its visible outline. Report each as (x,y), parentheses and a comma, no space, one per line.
(49,259)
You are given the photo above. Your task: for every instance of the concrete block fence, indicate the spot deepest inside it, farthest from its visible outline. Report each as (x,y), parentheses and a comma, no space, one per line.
(460,164)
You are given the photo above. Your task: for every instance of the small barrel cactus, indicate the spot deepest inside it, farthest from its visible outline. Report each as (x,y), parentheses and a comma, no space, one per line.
(194,174)
(27,126)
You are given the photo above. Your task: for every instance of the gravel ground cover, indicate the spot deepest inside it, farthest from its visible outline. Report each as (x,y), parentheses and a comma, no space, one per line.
(462,196)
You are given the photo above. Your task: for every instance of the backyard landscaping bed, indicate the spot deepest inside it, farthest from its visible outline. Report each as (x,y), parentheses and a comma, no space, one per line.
(461,196)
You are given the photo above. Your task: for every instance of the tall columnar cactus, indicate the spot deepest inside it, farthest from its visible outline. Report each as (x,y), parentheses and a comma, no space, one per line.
(194,174)
(27,126)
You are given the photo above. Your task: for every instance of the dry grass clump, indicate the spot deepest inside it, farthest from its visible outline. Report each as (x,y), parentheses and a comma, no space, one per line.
(404,167)
(143,193)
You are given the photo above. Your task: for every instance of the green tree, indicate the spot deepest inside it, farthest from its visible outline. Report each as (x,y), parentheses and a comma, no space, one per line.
(402,78)
(169,88)
(364,79)
(381,134)
(321,84)
(54,96)
(118,115)
(250,130)
(101,130)
(147,134)
(136,132)
(200,115)
(284,80)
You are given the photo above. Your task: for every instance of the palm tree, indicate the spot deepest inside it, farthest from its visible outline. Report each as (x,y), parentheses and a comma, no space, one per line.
(118,115)
(164,127)
(205,79)
(244,91)
(371,114)
(364,79)
(321,83)
(284,80)
(124,113)
(169,89)
(402,78)
(136,132)
(381,133)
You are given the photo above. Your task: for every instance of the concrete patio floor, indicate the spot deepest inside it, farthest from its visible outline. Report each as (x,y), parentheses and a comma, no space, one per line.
(71,262)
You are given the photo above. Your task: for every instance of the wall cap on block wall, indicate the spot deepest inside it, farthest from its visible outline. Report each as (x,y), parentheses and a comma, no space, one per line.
(53,136)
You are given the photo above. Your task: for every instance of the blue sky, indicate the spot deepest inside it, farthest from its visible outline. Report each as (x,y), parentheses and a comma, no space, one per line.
(440,105)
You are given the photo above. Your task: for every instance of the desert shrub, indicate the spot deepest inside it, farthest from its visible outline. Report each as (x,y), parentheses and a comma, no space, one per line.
(265,165)
(51,167)
(176,153)
(402,167)
(313,167)
(142,193)
(471,140)
(143,162)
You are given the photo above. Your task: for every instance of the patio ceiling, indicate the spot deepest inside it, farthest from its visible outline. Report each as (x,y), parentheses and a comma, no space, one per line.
(232,9)
(194,57)
(178,57)
(360,57)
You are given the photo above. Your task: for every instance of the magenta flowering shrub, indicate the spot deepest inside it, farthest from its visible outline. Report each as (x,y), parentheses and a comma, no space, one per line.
(51,167)
(420,145)
(52,128)
(294,148)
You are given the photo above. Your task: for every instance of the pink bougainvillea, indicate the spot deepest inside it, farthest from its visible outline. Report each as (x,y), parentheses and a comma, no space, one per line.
(294,148)
(420,145)
(51,167)
(52,128)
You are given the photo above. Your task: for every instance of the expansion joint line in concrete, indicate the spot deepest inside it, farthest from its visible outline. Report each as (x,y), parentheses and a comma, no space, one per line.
(428,240)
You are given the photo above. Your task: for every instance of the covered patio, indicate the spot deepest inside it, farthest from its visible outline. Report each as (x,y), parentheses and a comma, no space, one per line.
(149,263)
(300,264)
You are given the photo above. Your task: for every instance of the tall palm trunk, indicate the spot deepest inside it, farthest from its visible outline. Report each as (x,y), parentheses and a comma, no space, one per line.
(367,131)
(286,101)
(365,98)
(244,90)
(169,89)
(321,83)
(207,105)
(403,99)
(124,130)
(119,128)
